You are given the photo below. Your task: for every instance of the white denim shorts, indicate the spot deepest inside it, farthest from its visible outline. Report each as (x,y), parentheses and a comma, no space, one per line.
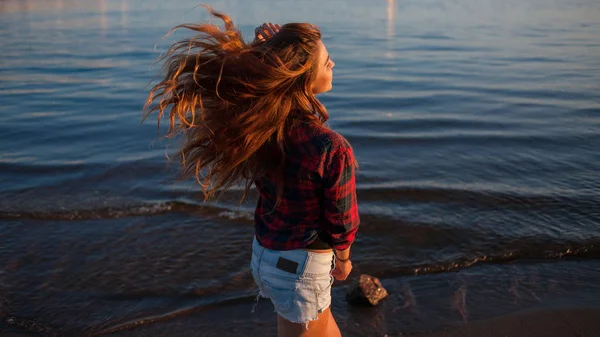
(297,282)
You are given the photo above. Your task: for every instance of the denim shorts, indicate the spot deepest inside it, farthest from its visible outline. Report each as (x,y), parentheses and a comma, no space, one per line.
(297,282)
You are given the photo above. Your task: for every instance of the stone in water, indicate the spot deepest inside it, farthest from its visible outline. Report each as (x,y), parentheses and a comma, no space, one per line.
(366,290)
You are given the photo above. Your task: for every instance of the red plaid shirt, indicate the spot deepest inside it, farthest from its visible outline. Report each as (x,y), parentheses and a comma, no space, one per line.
(319,193)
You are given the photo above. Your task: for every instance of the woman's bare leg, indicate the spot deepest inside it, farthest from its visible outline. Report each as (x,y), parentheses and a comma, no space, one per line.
(323,326)
(332,328)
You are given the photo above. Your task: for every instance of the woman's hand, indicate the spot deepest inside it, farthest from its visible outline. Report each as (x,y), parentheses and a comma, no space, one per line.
(265,31)
(342,269)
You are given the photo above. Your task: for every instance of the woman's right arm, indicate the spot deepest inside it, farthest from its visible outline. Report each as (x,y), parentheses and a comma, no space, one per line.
(341,207)
(343,265)
(342,255)
(265,31)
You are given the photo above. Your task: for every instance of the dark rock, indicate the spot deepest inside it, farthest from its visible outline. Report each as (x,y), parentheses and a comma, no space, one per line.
(366,290)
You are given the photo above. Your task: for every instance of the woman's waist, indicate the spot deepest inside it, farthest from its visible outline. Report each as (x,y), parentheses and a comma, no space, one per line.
(300,259)
(319,251)
(321,244)
(310,237)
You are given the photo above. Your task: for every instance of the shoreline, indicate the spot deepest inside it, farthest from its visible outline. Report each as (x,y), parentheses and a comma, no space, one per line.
(565,322)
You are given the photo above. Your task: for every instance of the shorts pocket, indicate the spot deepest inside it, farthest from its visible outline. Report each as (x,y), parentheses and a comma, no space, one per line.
(282,298)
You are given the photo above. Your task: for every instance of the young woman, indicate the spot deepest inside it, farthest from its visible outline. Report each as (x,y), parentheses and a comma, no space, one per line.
(249,114)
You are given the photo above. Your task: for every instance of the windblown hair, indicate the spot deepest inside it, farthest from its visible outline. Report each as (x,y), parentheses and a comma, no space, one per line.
(235,101)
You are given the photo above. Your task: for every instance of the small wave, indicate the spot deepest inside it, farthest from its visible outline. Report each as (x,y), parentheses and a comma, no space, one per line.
(479,137)
(199,305)
(144,321)
(490,195)
(236,215)
(10,167)
(529,252)
(90,214)
(144,209)
(426,124)
(30,325)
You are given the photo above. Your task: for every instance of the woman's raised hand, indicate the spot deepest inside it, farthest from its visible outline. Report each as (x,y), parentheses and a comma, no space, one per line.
(265,31)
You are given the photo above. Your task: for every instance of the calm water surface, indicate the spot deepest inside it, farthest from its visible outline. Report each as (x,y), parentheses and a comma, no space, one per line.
(476,124)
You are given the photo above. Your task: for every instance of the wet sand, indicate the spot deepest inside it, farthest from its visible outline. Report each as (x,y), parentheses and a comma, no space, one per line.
(580,322)
(571,322)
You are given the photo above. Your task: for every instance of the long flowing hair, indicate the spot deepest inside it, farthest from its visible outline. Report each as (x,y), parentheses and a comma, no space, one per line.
(235,101)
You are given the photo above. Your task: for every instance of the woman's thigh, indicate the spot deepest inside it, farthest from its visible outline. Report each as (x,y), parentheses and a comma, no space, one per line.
(323,326)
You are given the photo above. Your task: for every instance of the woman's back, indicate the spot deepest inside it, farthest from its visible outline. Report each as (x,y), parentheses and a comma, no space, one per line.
(318,192)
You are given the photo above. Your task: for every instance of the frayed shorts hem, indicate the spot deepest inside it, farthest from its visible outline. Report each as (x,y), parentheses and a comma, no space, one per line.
(293,319)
